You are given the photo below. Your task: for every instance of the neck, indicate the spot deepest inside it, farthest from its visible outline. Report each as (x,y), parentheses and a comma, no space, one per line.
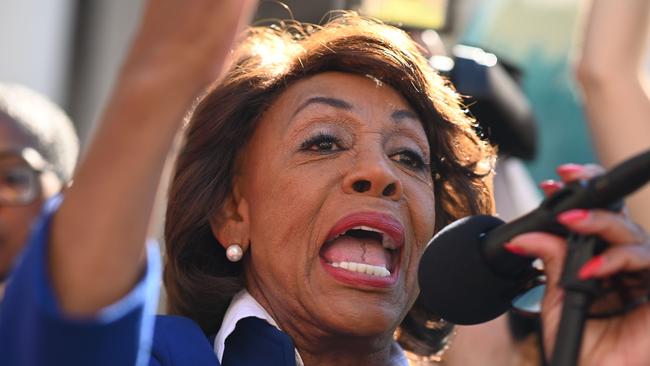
(318,346)
(345,350)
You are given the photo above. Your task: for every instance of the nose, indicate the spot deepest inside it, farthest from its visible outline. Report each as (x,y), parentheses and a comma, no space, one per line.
(373,176)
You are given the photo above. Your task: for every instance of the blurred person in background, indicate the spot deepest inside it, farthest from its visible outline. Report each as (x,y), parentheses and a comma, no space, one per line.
(611,69)
(38,152)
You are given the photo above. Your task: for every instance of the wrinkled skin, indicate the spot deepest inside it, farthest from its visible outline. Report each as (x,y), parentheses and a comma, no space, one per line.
(291,189)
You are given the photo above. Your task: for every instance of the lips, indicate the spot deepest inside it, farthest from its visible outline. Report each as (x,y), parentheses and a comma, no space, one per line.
(364,249)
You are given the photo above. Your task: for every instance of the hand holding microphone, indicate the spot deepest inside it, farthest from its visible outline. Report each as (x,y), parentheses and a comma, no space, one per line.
(470,272)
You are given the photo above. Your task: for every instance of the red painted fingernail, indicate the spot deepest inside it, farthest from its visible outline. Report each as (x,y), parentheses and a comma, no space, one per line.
(514,249)
(569,169)
(572,216)
(549,186)
(590,268)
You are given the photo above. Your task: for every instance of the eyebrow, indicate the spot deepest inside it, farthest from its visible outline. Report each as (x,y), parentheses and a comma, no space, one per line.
(397,116)
(332,102)
(401,114)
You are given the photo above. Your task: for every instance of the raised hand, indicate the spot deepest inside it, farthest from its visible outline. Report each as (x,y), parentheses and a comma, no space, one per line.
(99,233)
(611,71)
(185,42)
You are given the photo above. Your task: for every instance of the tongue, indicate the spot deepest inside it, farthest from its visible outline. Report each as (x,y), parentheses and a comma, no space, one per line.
(359,250)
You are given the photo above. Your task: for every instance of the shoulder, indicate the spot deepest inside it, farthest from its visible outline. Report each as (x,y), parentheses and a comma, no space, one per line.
(179,341)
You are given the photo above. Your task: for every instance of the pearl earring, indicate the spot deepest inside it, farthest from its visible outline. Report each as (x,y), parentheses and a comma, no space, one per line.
(234,252)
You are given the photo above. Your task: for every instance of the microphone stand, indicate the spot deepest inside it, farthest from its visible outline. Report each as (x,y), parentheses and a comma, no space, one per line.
(578,297)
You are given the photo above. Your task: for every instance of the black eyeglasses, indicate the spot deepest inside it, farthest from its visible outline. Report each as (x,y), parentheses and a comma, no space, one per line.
(20,171)
(19,185)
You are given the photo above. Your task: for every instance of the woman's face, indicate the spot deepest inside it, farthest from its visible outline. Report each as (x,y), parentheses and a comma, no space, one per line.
(340,205)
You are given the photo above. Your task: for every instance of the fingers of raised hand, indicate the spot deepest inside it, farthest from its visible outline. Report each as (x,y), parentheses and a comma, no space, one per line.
(189,39)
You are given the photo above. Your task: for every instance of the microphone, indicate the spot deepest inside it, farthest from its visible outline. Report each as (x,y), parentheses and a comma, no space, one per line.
(466,275)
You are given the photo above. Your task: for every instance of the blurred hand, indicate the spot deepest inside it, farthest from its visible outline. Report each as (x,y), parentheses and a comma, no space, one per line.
(99,233)
(620,340)
(186,42)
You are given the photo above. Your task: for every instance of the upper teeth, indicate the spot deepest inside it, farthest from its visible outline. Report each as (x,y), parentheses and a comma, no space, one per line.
(386,241)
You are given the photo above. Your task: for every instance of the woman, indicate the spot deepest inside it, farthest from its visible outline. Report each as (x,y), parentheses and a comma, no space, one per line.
(313,173)
(328,146)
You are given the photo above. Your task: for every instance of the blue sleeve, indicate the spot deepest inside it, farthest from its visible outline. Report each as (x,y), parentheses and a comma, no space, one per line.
(179,341)
(34,331)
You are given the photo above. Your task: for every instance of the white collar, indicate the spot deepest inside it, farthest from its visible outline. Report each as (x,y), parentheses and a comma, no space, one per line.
(243,305)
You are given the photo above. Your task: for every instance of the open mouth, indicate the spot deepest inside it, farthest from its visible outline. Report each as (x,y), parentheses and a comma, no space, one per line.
(364,248)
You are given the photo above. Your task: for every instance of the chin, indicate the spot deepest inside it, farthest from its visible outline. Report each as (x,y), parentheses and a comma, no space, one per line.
(364,319)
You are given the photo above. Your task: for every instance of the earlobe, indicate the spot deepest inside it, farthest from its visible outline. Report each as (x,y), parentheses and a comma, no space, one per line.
(231,224)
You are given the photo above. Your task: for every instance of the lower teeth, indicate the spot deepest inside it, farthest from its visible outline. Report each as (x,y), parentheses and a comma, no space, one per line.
(369,269)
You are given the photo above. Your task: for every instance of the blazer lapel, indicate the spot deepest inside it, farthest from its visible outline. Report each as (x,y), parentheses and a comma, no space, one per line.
(256,342)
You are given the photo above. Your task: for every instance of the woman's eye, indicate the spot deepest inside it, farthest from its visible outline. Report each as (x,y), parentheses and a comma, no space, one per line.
(410,159)
(321,143)
(19,177)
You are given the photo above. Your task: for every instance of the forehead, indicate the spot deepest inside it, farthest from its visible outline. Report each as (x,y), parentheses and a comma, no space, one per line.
(332,94)
(11,138)
(12,141)
(361,95)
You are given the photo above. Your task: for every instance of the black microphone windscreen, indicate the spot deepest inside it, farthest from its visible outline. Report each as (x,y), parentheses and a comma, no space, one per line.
(455,280)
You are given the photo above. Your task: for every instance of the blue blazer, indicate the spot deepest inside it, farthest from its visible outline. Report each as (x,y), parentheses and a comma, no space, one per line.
(179,341)
(35,332)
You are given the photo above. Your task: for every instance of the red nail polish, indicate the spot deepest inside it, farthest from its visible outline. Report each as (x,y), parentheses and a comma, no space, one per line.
(514,249)
(590,268)
(572,216)
(549,183)
(549,186)
(569,169)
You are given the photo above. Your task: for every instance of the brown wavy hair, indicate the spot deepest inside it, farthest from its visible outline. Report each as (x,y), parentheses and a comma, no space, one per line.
(199,280)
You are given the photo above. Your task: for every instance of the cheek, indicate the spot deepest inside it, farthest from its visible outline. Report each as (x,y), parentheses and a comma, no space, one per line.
(16,222)
(421,205)
(285,203)
(421,202)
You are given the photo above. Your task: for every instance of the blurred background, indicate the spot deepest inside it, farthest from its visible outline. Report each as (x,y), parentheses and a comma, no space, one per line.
(71,51)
